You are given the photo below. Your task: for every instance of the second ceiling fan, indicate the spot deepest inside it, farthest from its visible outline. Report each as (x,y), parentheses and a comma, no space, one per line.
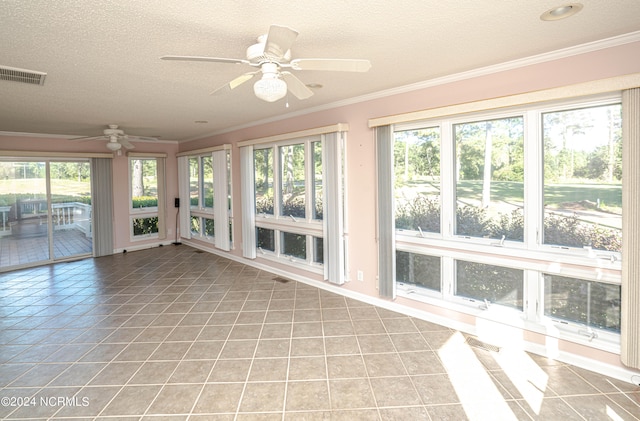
(271,55)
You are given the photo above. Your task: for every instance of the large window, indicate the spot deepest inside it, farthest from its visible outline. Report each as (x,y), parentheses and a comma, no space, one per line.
(145,182)
(210,216)
(292,200)
(519,209)
(288,200)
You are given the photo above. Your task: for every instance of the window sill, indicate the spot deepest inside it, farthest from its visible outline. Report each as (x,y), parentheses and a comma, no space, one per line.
(605,341)
(580,263)
(292,262)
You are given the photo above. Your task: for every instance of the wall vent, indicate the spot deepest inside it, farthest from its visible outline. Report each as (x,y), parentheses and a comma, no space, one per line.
(31,77)
(476,343)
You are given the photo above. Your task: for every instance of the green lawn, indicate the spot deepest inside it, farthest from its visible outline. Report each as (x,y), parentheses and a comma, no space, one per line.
(36,188)
(557,196)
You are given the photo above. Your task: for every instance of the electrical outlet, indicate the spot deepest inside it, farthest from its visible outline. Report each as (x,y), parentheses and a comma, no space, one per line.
(360,276)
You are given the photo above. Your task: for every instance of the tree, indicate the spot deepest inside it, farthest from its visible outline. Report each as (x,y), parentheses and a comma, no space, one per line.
(137,179)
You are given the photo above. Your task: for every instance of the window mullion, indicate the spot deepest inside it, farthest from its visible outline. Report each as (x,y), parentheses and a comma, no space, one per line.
(533,203)
(277,179)
(532,298)
(448,277)
(447,180)
(309,178)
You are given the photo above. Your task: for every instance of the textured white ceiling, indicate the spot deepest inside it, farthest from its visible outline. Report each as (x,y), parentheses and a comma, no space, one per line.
(103,67)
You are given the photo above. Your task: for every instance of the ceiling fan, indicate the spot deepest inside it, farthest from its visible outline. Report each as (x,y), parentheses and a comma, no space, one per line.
(116,137)
(271,55)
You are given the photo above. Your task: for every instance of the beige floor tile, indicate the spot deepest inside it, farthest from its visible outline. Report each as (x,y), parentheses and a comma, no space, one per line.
(345,366)
(351,393)
(131,400)
(307,396)
(175,399)
(154,372)
(192,371)
(263,397)
(269,369)
(230,370)
(394,391)
(307,368)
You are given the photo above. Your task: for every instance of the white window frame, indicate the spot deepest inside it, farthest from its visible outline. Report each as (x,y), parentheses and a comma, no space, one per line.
(221,213)
(152,211)
(530,255)
(288,224)
(331,228)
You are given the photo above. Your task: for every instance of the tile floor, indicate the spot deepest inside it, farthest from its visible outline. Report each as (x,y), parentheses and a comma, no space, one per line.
(173,333)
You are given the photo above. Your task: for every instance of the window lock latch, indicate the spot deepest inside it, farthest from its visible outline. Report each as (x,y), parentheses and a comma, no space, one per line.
(485,305)
(500,243)
(610,257)
(588,333)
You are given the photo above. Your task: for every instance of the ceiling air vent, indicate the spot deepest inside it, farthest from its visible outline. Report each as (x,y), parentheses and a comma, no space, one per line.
(22,75)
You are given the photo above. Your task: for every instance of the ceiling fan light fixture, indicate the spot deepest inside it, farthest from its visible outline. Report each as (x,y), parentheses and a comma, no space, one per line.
(113,146)
(270,88)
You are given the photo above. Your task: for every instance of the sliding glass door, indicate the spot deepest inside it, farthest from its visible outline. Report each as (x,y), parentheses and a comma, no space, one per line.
(70,208)
(45,211)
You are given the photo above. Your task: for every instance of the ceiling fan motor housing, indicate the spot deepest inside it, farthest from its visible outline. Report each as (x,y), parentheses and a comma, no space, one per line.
(256,53)
(113,132)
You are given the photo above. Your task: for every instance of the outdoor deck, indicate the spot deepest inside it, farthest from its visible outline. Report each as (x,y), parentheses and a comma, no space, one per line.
(21,250)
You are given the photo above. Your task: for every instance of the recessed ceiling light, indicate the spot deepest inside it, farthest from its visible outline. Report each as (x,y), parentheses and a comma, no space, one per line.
(561,12)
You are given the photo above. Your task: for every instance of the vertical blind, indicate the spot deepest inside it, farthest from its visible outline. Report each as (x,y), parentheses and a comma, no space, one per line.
(630,313)
(221,202)
(102,206)
(183,227)
(333,209)
(386,231)
(247,188)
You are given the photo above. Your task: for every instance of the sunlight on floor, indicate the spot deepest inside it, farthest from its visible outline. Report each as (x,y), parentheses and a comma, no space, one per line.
(477,392)
(612,414)
(525,374)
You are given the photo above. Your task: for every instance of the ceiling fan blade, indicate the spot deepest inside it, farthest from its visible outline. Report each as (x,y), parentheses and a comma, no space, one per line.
(279,41)
(296,86)
(146,138)
(234,83)
(125,142)
(85,139)
(202,58)
(331,64)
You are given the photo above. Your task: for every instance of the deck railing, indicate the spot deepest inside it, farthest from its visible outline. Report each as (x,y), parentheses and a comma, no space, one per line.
(68,215)
(5,227)
(72,215)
